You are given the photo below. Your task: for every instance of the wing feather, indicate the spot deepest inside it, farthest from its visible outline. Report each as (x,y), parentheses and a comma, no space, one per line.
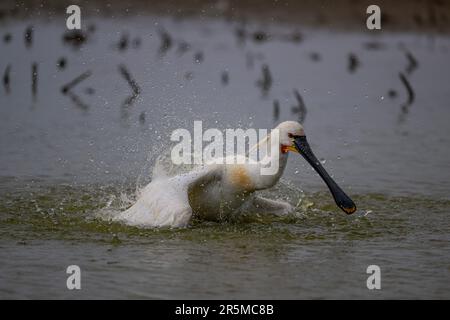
(164,202)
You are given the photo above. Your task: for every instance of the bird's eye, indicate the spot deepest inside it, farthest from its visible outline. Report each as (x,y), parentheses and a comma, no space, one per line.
(290,135)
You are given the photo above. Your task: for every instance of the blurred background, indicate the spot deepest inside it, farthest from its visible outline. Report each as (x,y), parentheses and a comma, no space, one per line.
(373,102)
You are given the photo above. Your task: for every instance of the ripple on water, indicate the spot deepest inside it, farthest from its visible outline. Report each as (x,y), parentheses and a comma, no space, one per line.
(247,257)
(68,210)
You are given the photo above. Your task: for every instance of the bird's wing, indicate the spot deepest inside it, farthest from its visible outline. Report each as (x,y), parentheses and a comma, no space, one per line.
(203,177)
(164,202)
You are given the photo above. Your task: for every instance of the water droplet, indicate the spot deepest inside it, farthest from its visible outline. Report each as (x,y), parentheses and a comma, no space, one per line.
(367,212)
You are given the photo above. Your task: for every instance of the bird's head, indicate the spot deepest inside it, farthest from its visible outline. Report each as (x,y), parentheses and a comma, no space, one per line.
(293,139)
(287,131)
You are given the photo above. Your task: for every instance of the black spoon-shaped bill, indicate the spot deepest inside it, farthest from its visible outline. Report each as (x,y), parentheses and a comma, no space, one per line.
(342,200)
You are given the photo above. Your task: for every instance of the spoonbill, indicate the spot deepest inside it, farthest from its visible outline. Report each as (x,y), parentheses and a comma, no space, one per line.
(217,191)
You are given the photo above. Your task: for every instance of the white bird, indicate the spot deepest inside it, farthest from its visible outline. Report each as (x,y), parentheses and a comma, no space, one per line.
(218,191)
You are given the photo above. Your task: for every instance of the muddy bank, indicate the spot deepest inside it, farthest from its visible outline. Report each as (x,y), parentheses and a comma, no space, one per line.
(403,15)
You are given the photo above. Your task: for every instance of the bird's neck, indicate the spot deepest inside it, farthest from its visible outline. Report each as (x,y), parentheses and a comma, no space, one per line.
(272,162)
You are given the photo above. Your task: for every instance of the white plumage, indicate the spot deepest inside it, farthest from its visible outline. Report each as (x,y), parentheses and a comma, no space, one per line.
(211,192)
